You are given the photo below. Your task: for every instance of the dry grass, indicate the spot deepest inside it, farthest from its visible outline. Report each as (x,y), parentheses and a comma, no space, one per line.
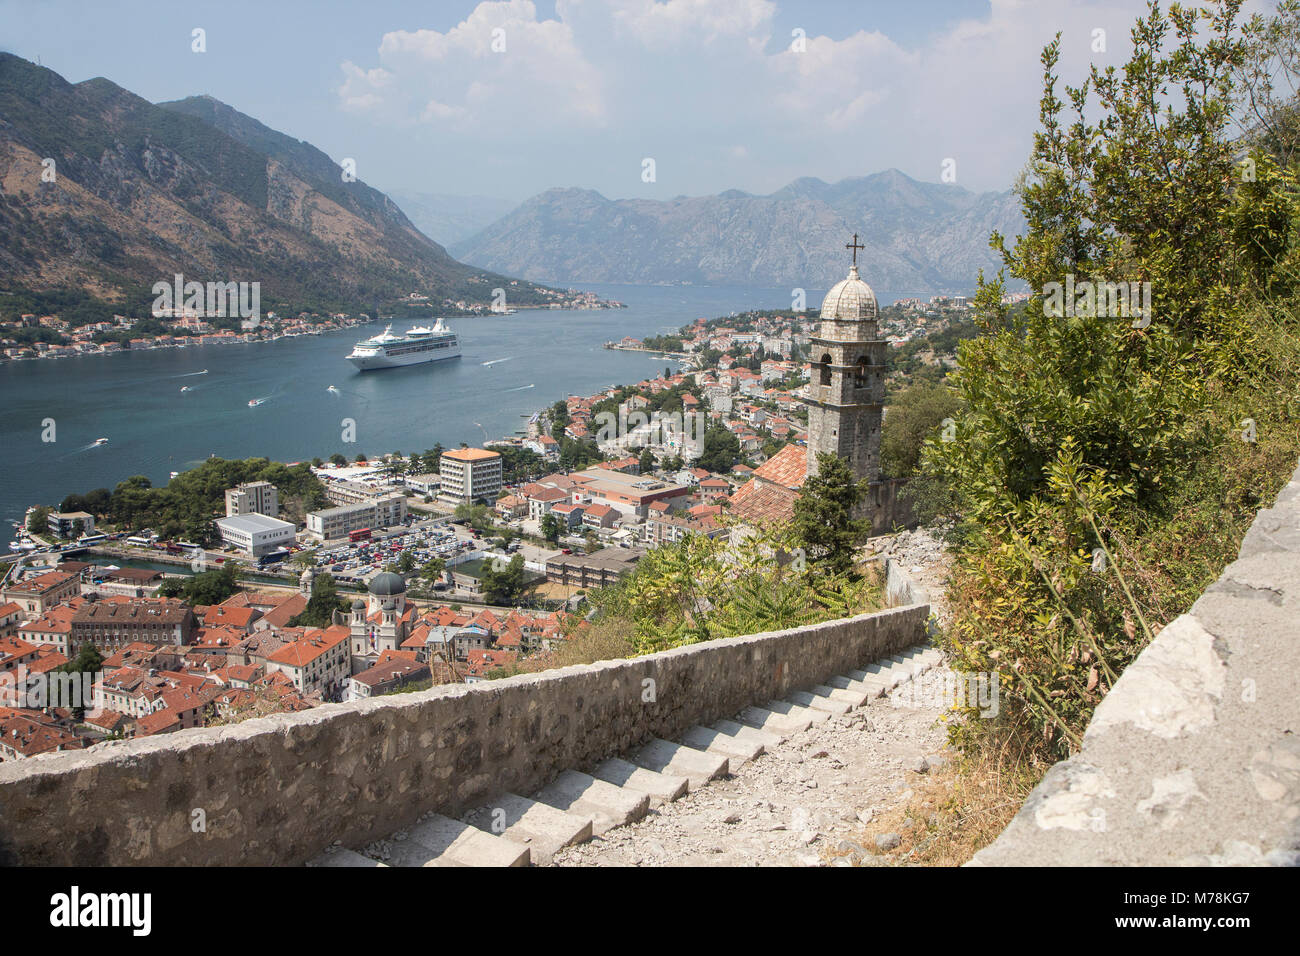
(954,811)
(606,640)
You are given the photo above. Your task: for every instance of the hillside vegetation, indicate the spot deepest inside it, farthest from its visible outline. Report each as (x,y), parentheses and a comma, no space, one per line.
(1103,469)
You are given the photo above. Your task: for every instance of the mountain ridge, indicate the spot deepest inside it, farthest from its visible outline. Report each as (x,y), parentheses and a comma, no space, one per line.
(918,235)
(142,191)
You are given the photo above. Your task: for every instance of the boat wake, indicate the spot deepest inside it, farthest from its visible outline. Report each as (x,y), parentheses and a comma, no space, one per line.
(521,388)
(491,362)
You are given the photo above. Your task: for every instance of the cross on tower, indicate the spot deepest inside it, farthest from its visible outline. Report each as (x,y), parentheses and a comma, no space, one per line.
(855,246)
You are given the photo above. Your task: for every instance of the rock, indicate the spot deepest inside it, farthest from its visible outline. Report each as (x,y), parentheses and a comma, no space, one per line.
(808,837)
(732,817)
(916,765)
(864,816)
(848,846)
(888,841)
(937,761)
(908,823)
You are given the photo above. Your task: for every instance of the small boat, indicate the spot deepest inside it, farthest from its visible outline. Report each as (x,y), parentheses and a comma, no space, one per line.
(101,441)
(254,402)
(174,474)
(332,389)
(186,388)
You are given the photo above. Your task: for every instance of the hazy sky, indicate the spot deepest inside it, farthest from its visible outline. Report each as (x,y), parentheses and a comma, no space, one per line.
(581,92)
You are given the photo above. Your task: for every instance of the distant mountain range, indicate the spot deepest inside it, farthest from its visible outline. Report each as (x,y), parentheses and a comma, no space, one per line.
(143,191)
(447,219)
(918,236)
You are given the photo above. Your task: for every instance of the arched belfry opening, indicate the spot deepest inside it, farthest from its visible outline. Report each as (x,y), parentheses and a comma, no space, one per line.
(824,364)
(860,374)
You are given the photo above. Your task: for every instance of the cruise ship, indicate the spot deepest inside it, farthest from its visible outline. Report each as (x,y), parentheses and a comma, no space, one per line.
(418,345)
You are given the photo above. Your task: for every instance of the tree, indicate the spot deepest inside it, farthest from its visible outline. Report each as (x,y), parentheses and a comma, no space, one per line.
(88,661)
(324,601)
(550,527)
(720,450)
(205,588)
(338,459)
(38,520)
(405,563)
(909,419)
(824,522)
(647,463)
(432,569)
(506,585)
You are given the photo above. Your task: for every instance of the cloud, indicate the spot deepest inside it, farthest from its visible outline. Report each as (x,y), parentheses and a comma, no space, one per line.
(602,83)
(500,66)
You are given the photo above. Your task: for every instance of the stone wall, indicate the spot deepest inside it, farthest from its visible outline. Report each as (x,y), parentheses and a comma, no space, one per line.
(279,790)
(1193,758)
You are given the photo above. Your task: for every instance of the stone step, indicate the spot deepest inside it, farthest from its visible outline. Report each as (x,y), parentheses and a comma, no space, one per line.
(539,826)
(817,702)
(870,691)
(608,805)
(772,722)
(881,680)
(854,698)
(790,709)
(697,766)
(706,738)
(742,732)
(340,856)
(912,666)
(442,841)
(660,787)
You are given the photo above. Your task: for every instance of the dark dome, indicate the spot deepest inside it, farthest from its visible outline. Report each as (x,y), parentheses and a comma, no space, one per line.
(386,583)
(358,605)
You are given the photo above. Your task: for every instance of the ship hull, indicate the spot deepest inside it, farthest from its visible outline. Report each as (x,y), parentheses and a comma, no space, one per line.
(369,363)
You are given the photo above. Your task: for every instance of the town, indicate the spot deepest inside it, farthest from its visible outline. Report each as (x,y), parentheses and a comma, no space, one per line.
(455,565)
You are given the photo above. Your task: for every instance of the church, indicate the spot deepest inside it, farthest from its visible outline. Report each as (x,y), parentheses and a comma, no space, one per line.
(845,400)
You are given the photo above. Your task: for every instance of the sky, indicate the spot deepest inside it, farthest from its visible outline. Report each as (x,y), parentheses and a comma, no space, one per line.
(506,99)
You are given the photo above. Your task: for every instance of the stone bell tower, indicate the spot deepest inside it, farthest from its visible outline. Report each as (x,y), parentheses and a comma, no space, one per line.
(846,396)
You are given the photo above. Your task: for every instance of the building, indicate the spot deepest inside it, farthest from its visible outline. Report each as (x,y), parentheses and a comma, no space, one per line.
(595,570)
(70,524)
(387,676)
(131,582)
(469,475)
(845,399)
(334,523)
(38,594)
(316,664)
(846,396)
(382,622)
(255,534)
(253,498)
(626,494)
(111,625)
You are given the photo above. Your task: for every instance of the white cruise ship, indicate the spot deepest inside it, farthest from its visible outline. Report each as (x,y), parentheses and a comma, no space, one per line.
(418,345)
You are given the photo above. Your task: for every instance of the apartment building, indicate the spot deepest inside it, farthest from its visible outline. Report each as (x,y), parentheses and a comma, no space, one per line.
(468,475)
(331,524)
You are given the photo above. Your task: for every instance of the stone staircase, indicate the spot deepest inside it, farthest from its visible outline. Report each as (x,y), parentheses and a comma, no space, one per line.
(514,830)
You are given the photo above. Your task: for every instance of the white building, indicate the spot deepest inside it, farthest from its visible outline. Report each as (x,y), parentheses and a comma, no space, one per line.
(333,523)
(253,498)
(255,534)
(469,475)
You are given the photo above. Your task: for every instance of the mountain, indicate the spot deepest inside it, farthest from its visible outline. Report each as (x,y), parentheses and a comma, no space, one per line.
(143,191)
(447,219)
(919,237)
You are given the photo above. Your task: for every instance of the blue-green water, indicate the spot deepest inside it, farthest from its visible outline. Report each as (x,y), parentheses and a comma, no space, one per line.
(134,399)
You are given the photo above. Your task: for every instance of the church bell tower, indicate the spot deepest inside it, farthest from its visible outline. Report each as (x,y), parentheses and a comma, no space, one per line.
(846,396)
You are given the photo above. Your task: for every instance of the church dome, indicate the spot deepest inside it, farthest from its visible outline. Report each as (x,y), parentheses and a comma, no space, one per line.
(386,584)
(850,299)
(358,605)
